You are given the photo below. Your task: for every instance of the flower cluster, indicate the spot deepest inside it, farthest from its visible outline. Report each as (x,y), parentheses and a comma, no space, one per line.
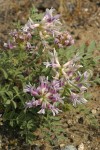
(66,70)
(49,27)
(49,17)
(71,76)
(49,94)
(64,39)
(20,38)
(53,26)
(46,95)
(67,83)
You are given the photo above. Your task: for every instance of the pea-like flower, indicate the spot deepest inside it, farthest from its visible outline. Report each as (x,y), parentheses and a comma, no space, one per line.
(46,95)
(81,80)
(63,39)
(30,25)
(77,98)
(9,45)
(66,70)
(49,17)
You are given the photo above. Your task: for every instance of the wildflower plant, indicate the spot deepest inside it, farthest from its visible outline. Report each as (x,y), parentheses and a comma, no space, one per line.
(40,59)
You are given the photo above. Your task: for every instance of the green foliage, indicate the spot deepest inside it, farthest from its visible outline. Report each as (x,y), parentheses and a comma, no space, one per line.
(18,67)
(35,15)
(52,129)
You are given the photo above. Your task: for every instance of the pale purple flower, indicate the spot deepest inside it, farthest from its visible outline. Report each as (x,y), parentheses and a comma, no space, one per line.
(57,41)
(83,88)
(56,85)
(87,75)
(47,64)
(77,99)
(49,17)
(29,46)
(36,102)
(29,104)
(14,33)
(63,39)
(66,70)
(45,95)
(54,110)
(42,111)
(28,88)
(29,25)
(54,61)
(9,45)
(83,82)
(50,24)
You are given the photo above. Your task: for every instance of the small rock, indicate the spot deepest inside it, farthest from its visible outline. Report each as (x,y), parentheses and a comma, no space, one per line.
(81,146)
(88,142)
(69,122)
(86,9)
(69,147)
(93,111)
(62,145)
